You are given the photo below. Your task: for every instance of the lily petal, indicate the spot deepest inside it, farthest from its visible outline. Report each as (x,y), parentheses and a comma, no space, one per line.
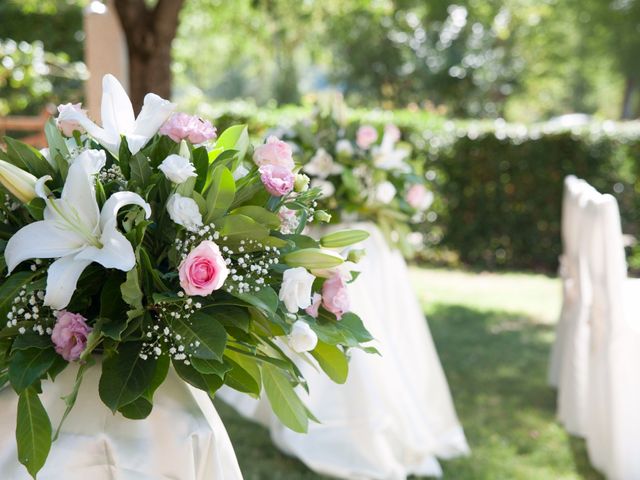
(136,142)
(155,111)
(79,192)
(108,139)
(41,239)
(117,201)
(62,280)
(116,251)
(116,108)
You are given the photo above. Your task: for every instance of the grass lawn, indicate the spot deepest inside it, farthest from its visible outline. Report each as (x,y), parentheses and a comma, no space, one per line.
(493,333)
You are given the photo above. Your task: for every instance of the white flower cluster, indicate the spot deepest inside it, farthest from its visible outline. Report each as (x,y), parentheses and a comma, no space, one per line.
(160,338)
(113,174)
(249,270)
(193,239)
(27,306)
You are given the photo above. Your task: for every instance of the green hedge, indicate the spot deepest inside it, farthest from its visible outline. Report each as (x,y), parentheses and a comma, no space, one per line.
(498,186)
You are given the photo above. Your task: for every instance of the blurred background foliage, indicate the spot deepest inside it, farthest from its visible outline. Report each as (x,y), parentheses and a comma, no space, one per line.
(522,60)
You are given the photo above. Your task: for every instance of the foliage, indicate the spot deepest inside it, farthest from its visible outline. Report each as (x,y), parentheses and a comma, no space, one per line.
(40,55)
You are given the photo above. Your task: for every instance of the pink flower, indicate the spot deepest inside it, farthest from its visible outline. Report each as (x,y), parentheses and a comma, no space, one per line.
(70,334)
(392,132)
(312,309)
(204,270)
(182,126)
(335,297)
(274,152)
(276,179)
(365,136)
(67,127)
(419,197)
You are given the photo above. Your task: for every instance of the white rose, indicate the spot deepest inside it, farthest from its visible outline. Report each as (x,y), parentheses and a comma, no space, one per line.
(344,147)
(184,211)
(177,169)
(295,291)
(322,165)
(325,186)
(302,338)
(385,192)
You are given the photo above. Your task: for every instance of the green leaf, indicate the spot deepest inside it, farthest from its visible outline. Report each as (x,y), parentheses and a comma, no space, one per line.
(137,410)
(266,299)
(9,289)
(113,310)
(236,138)
(33,432)
(57,147)
(124,158)
(220,194)
(240,227)
(208,383)
(283,399)
(31,339)
(132,294)
(210,367)
(245,375)
(140,169)
(260,215)
(27,158)
(202,336)
(332,360)
(125,376)
(28,366)
(201,162)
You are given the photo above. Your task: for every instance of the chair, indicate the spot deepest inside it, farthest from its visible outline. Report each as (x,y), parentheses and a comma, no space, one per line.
(572,343)
(613,408)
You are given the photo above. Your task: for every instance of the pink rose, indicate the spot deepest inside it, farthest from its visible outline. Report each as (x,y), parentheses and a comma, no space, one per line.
(182,126)
(70,334)
(335,297)
(365,136)
(67,127)
(312,309)
(274,152)
(419,197)
(392,132)
(276,179)
(204,270)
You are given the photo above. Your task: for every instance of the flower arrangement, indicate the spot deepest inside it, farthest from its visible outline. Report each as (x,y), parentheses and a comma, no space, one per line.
(151,243)
(364,174)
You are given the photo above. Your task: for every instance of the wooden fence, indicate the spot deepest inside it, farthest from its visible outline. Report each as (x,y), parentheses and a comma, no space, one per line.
(29,129)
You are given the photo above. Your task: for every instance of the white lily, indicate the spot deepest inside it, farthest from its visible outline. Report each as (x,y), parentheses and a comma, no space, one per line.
(118,118)
(75,231)
(388,157)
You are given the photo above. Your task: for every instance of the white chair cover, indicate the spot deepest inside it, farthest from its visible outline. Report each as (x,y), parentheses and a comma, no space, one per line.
(613,428)
(568,271)
(394,415)
(182,439)
(573,349)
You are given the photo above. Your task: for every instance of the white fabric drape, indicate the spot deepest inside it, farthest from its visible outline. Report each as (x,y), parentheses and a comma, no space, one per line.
(394,415)
(182,439)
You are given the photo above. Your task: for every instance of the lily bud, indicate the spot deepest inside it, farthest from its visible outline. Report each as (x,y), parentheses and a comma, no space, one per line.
(343,238)
(301,183)
(322,216)
(20,184)
(356,255)
(313,258)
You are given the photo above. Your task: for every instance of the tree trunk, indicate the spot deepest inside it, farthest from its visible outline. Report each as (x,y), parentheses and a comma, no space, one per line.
(627,101)
(149,33)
